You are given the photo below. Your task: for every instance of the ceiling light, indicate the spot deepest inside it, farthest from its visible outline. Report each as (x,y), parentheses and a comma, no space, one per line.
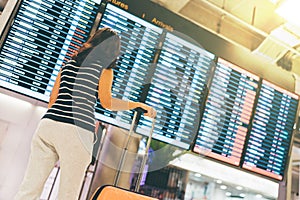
(239,187)
(289,10)
(285,35)
(219,181)
(258,196)
(223,187)
(228,194)
(242,195)
(197,175)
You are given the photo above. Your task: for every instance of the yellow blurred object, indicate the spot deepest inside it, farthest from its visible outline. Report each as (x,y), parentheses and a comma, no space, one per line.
(114,193)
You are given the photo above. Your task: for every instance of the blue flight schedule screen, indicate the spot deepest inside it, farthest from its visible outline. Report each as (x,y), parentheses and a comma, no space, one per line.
(227,113)
(43,35)
(269,142)
(177,90)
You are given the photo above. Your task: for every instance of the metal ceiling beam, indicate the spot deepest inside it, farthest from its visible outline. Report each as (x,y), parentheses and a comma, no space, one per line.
(251,27)
(235,18)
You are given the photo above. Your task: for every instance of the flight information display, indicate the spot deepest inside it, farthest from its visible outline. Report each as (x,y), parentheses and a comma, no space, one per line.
(42,37)
(269,142)
(227,113)
(177,90)
(139,42)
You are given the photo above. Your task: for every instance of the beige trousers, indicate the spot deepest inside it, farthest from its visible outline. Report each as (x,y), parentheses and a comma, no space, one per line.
(54,141)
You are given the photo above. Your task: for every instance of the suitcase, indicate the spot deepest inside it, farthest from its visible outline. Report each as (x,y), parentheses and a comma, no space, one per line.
(112,192)
(109,192)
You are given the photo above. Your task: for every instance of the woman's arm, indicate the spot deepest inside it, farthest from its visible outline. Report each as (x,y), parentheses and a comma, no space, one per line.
(108,102)
(54,91)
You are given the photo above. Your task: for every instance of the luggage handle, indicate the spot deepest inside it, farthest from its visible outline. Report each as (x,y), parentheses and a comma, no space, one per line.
(145,158)
(137,111)
(140,110)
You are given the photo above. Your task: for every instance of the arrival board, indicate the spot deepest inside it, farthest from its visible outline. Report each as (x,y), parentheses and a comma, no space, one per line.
(227,113)
(177,90)
(269,141)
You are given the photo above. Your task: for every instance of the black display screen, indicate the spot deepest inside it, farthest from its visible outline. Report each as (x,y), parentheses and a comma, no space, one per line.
(269,141)
(177,90)
(43,35)
(227,113)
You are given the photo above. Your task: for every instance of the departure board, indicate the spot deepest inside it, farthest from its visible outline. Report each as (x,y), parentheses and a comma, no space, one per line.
(177,90)
(43,35)
(269,142)
(227,113)
(139,41)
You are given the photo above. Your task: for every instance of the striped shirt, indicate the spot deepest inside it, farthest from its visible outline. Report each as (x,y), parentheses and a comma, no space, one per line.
(77,95)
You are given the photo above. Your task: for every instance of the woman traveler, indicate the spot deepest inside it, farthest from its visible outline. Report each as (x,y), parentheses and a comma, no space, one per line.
(66,131)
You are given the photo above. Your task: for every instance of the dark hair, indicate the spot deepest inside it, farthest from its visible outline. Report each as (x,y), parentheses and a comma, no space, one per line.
(109,49)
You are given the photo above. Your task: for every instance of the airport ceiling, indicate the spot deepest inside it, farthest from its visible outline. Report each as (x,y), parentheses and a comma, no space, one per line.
(252,24)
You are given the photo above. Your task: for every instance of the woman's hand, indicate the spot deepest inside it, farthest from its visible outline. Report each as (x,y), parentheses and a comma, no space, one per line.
(151,112)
